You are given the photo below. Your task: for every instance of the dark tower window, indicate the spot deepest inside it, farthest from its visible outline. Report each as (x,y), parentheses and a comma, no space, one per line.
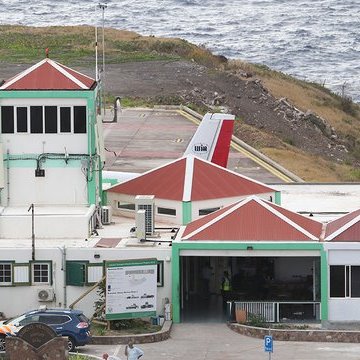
(50,119)
(65,119)
(21,120)
(7,119)
(79,119)
(36,119)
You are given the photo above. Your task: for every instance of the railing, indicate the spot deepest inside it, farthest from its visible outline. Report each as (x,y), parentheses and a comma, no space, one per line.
(278,311)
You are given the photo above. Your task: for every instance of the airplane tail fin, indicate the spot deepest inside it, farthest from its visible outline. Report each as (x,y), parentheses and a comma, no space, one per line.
(212,138)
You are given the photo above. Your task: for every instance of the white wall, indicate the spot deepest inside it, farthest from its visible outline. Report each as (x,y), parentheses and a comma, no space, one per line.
(60,186)
(113,199)
(13,303)
(222,202)
(39,143)
(46,225)
(343,309)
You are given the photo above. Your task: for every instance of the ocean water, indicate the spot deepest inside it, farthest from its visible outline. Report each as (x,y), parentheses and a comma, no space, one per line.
(315,40)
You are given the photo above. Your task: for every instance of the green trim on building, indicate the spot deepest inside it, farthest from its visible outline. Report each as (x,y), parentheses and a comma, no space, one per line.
(278,197)
(49,163)
(186,212)
(133,315)
(286,246)
(94,183)
(46,94)
(324,286)
(175,270)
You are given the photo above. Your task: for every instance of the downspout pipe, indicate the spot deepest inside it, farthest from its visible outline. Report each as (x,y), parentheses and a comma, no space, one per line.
(63,268)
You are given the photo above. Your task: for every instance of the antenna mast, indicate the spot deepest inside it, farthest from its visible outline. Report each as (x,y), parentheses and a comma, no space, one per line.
(96,48)
(103,7)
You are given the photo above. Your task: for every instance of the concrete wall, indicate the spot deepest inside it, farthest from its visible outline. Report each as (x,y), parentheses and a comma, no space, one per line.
(46,225)
(13,303)
(60,186)
(40,143)
(343,309)
(113,198)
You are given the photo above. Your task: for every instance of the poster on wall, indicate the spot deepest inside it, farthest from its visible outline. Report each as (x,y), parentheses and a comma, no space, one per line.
(131,287)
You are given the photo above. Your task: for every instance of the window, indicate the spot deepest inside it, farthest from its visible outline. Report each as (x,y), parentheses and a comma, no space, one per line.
(355,281)
(50,119)
(126,206)
(54,319)
(29,320)
(41,273)
(65,120)
(21,120)
(21,274)
(7,119)
(76,273)
(344,281)
(95,273)
(5,273)
(36,119)
(79,119)
(208,211)
(166,211)
(160,273)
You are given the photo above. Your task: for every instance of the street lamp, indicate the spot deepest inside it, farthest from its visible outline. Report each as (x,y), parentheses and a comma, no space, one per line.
(32,231)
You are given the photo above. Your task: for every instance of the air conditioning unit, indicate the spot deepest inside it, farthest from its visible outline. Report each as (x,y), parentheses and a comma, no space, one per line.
(106,215)
(46,294)
(140,224)
(147,203)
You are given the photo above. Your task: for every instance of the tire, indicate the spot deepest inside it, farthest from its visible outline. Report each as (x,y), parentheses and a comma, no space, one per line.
(2,343)
(71,344)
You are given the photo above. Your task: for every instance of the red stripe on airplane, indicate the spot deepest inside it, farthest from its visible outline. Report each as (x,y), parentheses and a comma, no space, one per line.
(222,147)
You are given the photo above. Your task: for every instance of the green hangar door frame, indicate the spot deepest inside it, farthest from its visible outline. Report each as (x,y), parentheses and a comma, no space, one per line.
(294,282)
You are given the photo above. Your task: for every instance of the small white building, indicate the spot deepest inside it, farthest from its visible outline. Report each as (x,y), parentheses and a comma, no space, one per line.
(186,189)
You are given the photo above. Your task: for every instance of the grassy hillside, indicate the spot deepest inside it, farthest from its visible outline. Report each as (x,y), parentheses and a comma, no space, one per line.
(74,46)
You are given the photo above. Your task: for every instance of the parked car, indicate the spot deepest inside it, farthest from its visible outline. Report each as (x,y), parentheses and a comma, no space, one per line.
(71,323)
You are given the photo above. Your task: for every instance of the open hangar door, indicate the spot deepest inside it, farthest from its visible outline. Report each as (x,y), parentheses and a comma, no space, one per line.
(289,280)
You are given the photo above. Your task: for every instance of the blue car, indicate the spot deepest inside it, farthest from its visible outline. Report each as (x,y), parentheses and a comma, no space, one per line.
(71,323)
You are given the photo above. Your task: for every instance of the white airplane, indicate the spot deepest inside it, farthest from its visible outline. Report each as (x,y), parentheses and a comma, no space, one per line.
(211,142)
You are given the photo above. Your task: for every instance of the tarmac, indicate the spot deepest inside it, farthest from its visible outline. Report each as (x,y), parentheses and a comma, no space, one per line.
(143,139)
(214,341)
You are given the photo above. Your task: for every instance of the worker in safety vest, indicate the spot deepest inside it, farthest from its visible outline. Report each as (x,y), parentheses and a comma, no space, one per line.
(225,289)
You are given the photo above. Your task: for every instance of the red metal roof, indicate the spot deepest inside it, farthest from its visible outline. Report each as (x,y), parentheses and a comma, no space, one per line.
(346,228)
(252,220)
(49,75)
(313,227)
(166,182)
(213,182)
(191,179)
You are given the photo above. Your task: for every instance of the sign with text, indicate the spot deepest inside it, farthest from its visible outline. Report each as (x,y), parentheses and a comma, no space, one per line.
(131,287)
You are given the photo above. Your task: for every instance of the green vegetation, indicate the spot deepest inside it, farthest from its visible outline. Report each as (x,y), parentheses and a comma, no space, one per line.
(76,46)
(124,327)
(255,320)
(78,357)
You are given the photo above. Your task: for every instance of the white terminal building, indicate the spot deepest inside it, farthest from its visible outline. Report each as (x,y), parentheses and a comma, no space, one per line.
(291,249)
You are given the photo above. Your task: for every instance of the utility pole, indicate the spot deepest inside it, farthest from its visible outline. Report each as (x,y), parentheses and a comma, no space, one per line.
(32,231)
